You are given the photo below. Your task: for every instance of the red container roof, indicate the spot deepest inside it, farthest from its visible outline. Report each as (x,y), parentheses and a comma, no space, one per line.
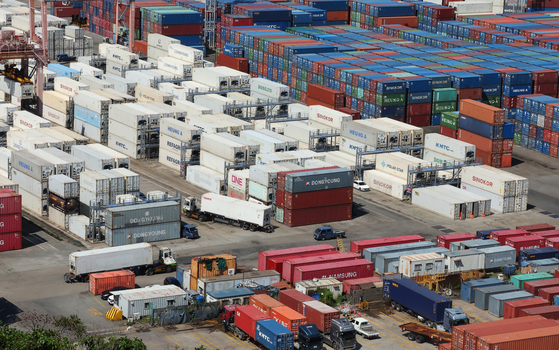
(457,236)
(318,267)
(520,239)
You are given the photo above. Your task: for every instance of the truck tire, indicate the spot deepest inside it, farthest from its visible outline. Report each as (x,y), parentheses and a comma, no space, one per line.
(168,269)
(419,339)
(245,226)
(150,272)
(68,278)
(411,337)
(253,228)
(270,229)
(188,214)
(202,218)
(85,278)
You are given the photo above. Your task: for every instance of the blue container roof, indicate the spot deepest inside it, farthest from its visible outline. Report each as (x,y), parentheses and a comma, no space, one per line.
(230,293)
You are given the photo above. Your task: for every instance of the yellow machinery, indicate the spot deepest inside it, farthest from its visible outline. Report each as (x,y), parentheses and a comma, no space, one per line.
(341,248)
(431,281)
(79,21)
(14,73)
(364,305)
(114,314)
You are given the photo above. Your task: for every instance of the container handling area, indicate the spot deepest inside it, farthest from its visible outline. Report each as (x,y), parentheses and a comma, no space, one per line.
(314,174)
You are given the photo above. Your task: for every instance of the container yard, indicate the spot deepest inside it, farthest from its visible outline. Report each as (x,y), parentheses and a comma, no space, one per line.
(183,158)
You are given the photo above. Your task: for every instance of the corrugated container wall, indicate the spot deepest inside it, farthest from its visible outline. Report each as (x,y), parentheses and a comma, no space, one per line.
(99,282)
(220,265)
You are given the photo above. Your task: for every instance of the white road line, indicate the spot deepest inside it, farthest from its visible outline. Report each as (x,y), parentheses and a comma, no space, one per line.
(45,241)
(34,244)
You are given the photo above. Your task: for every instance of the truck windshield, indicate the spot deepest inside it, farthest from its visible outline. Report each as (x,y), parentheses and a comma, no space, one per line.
(347,335)
(194,230)
(461,322)
(318,230)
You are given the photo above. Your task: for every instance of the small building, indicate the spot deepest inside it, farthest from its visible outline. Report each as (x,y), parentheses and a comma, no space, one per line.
(309,287)
(464,260)
(422,264)
(138,302)
(239,296)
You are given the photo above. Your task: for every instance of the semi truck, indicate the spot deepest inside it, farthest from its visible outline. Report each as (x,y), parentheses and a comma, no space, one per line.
(229,210)
(429,307)
(135,257)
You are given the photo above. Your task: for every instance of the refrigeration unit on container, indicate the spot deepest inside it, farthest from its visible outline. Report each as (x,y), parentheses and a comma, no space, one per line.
(121,161)
(522,183)
(219,104)
(234,125)
(67,141)
(63,186)
(85,69)
(175,66)
(94,160)
(468,288)
(123,57)
(149,94)
(267,144)
(430,199)
(205,125)
(243,78)
(15,88)
(96,82)
(68,86)
(192,109)
(397,163)
(327,116)
(489,181)
(214,80)
(26,120)
(497,257)
(121,84)
(185,53)
(450,147)
(290,143)
(76,165)
(269,89)
(416,132)
(478,205)
(499,204)
(445,240)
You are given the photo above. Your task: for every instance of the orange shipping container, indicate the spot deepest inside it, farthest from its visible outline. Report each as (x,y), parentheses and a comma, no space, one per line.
(481,111)
(264,303)
(535,339)
(193,283)
(213,265)
(288,318)
(100,282)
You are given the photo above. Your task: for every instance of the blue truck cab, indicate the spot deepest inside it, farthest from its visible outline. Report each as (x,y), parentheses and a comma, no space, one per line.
(310,337)
(190,231)
(326,232)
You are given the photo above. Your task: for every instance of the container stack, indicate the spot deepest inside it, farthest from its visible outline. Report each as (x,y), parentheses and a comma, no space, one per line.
(94,190)
(63,199)
(119,60)
(418,101)
(337,11)
(91,115)
(324,96)
(491,87)
(174,136)
(444,150)
(449,124)
(307,197)
(273,16)
(515,83)
(368,15)
(238,183)
(230,20)
(72,10)
(10,211)
(174,21)
(76,35)
(58,108)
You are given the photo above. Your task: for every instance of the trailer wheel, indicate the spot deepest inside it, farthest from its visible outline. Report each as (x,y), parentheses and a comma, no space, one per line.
(149,272)
(252,228)
(85,278)
(245,227)
(202,218)
(270,229)
(420,339)
(67,278)
(411,337)
(168,269)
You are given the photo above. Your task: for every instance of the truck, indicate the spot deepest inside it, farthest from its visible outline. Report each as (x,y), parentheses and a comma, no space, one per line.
(341,336)
(326,232)
(135,257)
(309,338)
(63,57)
(229,210)
(429,307)
(363,327)
(421,333)
(189,231)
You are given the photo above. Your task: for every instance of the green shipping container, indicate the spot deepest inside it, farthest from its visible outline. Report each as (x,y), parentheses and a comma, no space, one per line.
(494,101)
(519,280)
(444,95)
(440,107)
(517,138)
(390,100)
(450,120)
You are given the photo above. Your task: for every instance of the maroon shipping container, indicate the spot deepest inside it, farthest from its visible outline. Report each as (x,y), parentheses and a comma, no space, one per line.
(320,314)
(543,338)
(10,241)
(445,240)
(354,114)
(294,299)
(544,76)
(277,263)
(469,94)
(512,308)
(100,282)
(327,95)
(317,198)
(501,236)
(550,311)
(289,265)
(319,215)
(264,257)
(472,338)
(448,132)
(10,223)
(547,234)
(492,159)
(418,109)
(536,227)
(246,317)
(525,242)
(419,120)
(341,270)
(238,63)
(355,283)
(548,293)
(484,144)
(10,202)
(535,286)
(358,246)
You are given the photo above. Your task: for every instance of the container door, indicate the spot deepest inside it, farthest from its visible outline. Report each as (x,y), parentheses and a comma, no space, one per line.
(475,209)
(439,266)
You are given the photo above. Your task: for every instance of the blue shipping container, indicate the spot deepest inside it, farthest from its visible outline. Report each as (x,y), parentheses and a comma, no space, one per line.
(537,254)
(87,116)
(273,335)
(490,131)
(467,292)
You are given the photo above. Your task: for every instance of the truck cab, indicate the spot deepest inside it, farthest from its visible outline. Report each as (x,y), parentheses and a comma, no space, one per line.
(326,232)
(363,327)
(342,335)
(190,231)
(309,337)
(167,262)
(454,317)
(190,209)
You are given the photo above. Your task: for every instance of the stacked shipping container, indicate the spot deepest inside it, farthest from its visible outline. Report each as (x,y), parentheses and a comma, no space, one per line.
(10,211)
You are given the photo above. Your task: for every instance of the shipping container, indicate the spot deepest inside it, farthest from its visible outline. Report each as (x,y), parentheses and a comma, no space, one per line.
(445,240)
(468,289)
(430,198)
(450,147)
(289,265)
(108,259)
(316,180)
(549,311)
(308,216)
(525,242)
(91,101)
(320,314)
(264,257)
(360,283)
(359,246)
(94,160)
(142,214)
(10,241)
(264,303)
(385,183)
(315,199)
(224,281)
(288,318)
(223,264)
(94,182)
(68,86)
(464,260)
(490,181)
(27,120)
(536,227)
(371,253)
(397,163)
(502,236)
(294,299)
(535,286)
(247,317)
(63,186)
(482,294)
(531,339)
(499,203)
(205,178)
(513,308)
(497,257)
(100,282)
(340,270)
(270,89)
(146,233)
(519,280)
(549,293)
(32,165)
(421,264)
(481,111)
(497,301)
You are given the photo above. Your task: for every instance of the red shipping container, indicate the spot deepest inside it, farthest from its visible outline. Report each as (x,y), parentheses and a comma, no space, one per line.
(445,240)
(506,160)
(356,115)
(536,227)
(469,94)
(446,131)
(309,101)
(481,143)
(326,95)
(100,282)
(485,158)
(446,346)
(309,216)
(289,318)
(553,242)
(264,257)
(545,76)
(181,29)
(66,11)
(473,337)
(294,299)
(318,198)
(512,308)
(546,89)
(141,46)
(547,234)
(289,265)
(10,223)
(264,303)
(246,317)
(534,287)
(501,236)
(525,242)
(337,15)
(408,21)
(507,145)
(418,109)
(419,120)
(340,270)
(238,63)
(10,202)
(550,311)
(277,263)
(355,284)
(10,241)
(481,111)
(543,338)
(320,314)
(549,293)
(359,246)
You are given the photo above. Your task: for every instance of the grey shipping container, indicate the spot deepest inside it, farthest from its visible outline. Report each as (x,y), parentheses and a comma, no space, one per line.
(148,233)
(316,180)
(132,179)
(32,165)
(496,257)
(371,253)
(497,301)
(117,183)
(142,215)
(94,160)
(382,260)
(468,289)
(474,244)
(64,186)
(482,295)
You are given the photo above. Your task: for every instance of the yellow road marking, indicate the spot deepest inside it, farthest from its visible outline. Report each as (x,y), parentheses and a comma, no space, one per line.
(201,342)
(404,339)
(94,312)
(174,341)
(474,316)
(201,336)
(235,340)
(398,317)
(104,306)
